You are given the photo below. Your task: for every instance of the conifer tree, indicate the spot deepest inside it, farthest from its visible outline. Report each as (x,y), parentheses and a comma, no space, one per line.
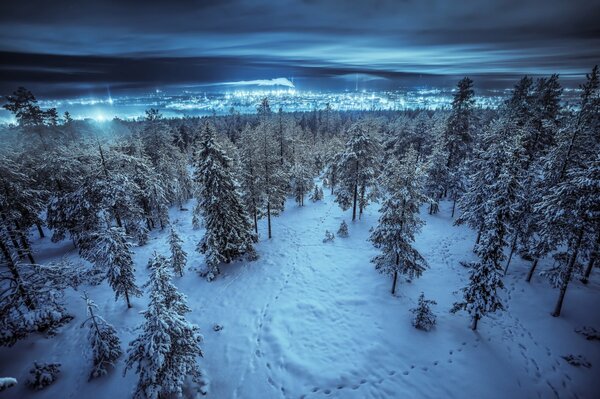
(178,255)
(104,341)
(272,177)
(423,318)
(399,221)
(228,230)
(343,230)
(569,205)
(357,169)
(302,182)
(109,250)
(503,187)
(166,351)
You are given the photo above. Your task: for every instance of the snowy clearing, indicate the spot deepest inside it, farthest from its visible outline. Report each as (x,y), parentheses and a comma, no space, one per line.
(310,319)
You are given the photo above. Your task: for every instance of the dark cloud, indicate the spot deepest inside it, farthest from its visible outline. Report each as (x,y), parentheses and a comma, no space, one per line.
(138,43)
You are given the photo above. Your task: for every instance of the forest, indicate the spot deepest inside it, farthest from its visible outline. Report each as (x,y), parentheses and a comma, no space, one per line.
(95,245)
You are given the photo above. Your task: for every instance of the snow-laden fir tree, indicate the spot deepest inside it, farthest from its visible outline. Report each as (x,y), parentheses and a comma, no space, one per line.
(302,181)
(329,236)
(43,374)
(569,205)
(104,341)
(250,177)
(399,221)
(317,194)
(343,230)
(166,352)
(109,250)
(31,299)
(437,175)
(423,316)
(178,255)
(502,161)
(228,230)
(357,168)
(273,178)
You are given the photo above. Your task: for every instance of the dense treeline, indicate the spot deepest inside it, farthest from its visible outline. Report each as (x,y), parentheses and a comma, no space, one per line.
(525,176)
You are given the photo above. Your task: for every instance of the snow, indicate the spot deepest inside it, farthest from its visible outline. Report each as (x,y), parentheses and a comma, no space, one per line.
(312,319)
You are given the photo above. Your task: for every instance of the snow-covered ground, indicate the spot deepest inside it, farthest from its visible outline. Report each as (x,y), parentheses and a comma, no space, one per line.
(312,319)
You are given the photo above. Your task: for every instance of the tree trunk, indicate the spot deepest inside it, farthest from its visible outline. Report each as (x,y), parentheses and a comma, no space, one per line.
(453,207)
(478,237)
(570,266)
(15,273)
(532,269)
(354,202)
(255,221)
(512,251)
(394,282)
(475,321)
(40,230)
(127,300)
(269,218)
(593,256)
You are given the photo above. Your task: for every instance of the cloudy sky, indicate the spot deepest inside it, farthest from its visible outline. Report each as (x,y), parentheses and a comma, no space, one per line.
(63,47)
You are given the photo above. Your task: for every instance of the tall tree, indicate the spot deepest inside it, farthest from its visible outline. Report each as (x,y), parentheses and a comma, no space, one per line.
(399,221)
(166,351)
(228,230)
(358,169)
(110,251)
(104,341)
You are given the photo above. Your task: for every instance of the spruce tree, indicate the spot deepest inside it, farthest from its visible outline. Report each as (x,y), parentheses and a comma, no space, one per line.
(178,255)
(343,230)
(357,169)
(400,221)
(104,341)
(423,318)
(166,351)
(109,250)
(302,182)
(228,230)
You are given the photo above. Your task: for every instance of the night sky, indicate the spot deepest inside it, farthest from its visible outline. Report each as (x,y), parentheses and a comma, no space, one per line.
(64,47)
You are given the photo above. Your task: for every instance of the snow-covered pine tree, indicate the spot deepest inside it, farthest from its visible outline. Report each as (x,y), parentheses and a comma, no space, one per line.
(302,181)
(178,255)
(459,130)
(437,175)
(272,177)
(166,351)
(400,221)
(503,188)
(329,236)
(317,194)
(569,205)
(228,230)
(357,168)
(250,177)
(343,230)
(104,341)
(31,296)
(424,318)
(109,250)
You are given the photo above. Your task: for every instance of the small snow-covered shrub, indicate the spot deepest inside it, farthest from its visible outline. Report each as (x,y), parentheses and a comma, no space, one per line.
(343,230)
(317,194)
(423,318)
(7,382)
(43,374)
(590,333)
(328,236)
